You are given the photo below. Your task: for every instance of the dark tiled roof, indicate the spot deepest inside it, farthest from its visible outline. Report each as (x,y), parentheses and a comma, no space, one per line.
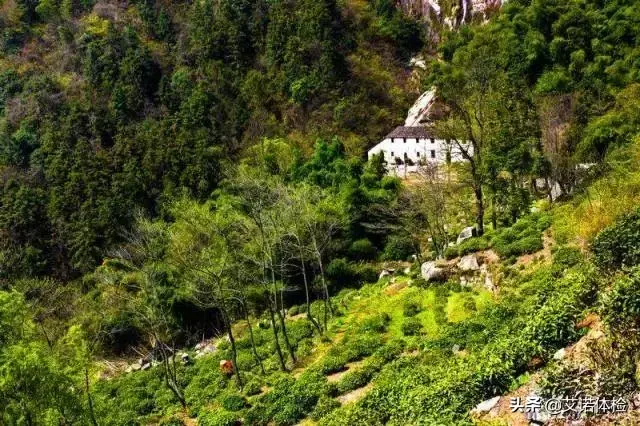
(411,132)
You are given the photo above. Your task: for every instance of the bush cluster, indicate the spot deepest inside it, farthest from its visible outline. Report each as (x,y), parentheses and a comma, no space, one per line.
(619,244)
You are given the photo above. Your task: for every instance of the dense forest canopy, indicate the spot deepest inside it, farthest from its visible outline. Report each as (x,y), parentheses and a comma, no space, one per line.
(128,105)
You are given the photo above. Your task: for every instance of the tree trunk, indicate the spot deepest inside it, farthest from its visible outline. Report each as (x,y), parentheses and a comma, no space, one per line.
(234,350)
(327,302)
(477,190)
(283,366)
(169,377)
(254,349)
(494,215)
(290,349)
(279,312)
(314,323)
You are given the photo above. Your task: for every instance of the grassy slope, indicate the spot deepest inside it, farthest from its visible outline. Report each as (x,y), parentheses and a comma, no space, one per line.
(411,378)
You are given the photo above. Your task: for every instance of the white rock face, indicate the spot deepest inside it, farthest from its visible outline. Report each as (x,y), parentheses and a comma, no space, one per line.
(469,263)
(421,110)
(430,272)
(459,12)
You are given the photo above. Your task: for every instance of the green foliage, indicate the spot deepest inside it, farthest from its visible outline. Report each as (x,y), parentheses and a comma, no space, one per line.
(566,256)
(621,305)
(471,245)
(324,406)
(354,379)
(362,249)
(252,387)
(411,309)
(376,323)
(411,326)
(618,245)
(232,401)
(524,237)
(399,247)
(217,418)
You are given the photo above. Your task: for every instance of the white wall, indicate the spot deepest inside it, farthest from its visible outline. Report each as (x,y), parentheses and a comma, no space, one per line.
(434,150)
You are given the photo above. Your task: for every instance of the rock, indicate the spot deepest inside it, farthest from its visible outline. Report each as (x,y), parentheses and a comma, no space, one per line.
(469,263)
(430,272)
(407,270)
(455,348)
(539,416)
(209,348)
(133,367)
(385,273)
(488,283)
(464,282)
(468,232)
(560,354)
(486,406)
(146,366)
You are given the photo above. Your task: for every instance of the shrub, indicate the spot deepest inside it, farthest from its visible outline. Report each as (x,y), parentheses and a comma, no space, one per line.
(324,406)
(366,274)
(361,346)
(524,237)
(392,349)
(294,310)
(619,244)
(451,252)
(376,323)
(567,257)
(341,273)
(290,400)
(299,330)
(305,347)
(363,249)
(252,387)
(232,401)
(411,309)
(217,418)
(399,247)
(332,364)
(621,305)
(473,245)
(354,380)
(411,326)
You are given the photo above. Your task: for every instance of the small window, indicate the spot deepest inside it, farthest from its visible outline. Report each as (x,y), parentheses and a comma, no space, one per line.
(404,140)
(392,153)
(433,140)
(418,155)
(433,153)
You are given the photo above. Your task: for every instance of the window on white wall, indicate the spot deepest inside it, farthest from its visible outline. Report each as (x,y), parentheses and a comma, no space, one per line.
(433,140)
(418,155)
(433,154)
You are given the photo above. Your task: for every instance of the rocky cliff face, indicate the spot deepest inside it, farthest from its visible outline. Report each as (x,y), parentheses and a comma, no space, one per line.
(448,12)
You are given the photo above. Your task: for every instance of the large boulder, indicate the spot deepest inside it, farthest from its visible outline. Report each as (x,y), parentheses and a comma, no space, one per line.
(431,272)
(469,263)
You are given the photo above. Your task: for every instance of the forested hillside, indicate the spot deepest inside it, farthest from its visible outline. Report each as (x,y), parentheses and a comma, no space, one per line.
(190,232)
(113,107)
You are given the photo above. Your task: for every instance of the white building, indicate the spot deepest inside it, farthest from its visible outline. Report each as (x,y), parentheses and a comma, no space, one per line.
(410,146)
